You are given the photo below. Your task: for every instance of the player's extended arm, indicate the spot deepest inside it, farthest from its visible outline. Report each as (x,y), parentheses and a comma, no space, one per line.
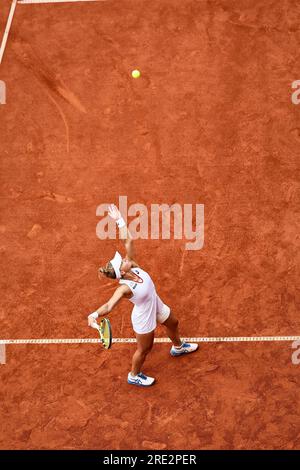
(108,306)
(124,232)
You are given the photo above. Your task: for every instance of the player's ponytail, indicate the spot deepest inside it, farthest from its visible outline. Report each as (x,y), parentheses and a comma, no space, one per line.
(108,271)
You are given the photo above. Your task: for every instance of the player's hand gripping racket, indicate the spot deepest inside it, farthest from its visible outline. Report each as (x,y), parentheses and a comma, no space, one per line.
(105,333)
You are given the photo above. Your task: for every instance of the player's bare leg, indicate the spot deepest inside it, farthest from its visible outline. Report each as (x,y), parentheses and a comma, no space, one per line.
(178,347)
(144,346)
(171,325)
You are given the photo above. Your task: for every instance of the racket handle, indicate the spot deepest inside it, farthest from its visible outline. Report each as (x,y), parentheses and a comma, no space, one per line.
(95,325)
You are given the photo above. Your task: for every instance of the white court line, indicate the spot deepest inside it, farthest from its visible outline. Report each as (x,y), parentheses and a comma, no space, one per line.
(56,1)
(8,25)
(226,339)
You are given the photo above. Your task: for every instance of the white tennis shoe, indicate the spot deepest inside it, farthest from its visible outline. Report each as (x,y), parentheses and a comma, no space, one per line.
(140,380)
(185,349)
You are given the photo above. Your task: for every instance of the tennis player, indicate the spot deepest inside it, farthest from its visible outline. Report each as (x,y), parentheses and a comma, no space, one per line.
(137,286)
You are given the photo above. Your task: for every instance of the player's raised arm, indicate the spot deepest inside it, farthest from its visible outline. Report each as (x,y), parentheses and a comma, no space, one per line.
(125,235)
(108,306)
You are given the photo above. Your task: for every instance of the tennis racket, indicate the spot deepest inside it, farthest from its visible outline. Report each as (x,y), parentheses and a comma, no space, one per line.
(105,333)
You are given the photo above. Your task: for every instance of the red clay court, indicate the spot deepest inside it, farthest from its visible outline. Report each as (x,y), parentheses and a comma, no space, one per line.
(210,121)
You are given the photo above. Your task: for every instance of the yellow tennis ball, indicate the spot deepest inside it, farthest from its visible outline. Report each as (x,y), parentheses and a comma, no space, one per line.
(136,73)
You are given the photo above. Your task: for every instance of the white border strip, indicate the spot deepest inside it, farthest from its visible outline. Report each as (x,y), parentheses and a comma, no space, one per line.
(228,339)
(8,25)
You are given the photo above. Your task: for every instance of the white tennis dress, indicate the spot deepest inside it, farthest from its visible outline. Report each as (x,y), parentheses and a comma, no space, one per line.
(148,307)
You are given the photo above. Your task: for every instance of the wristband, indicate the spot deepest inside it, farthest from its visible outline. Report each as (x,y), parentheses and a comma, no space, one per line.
(94,315)
(121,222)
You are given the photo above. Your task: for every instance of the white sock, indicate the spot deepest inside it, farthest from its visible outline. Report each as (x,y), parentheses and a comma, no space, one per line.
(179,347)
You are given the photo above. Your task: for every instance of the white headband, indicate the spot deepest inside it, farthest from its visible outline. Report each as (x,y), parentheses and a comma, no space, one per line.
(116,263)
